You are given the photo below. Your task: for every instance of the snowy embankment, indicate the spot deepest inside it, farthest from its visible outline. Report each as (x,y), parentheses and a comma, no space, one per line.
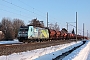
(80,53)
(50,52)
(57,53)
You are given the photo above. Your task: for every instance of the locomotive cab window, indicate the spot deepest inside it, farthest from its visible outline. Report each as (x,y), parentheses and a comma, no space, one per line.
(26,29)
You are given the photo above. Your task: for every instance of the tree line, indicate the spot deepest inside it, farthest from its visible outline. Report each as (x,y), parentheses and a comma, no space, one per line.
(10,27)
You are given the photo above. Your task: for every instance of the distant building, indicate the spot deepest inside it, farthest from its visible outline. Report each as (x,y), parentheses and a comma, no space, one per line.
(1,35)
(0,32)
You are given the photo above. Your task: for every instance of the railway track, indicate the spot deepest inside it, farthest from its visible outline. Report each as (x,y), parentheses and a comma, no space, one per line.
(16,48)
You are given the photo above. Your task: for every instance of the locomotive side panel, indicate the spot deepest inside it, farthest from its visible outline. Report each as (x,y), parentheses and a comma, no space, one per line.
(41,33)
(31,32)
(45,34)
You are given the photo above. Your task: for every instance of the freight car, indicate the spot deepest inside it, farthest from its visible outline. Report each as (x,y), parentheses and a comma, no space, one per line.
(52,34)
(58,35)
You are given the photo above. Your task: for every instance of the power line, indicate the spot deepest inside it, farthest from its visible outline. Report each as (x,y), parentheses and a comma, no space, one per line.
(9,7)
(13,12)
(21,8)
(35,9)
(30,6)
(13,9)
(16,5)
(79,30)
(73,26)
(24,8)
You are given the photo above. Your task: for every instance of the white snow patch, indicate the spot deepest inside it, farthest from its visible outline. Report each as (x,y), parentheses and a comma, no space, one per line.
(83,52)
(57,53)
(10,42)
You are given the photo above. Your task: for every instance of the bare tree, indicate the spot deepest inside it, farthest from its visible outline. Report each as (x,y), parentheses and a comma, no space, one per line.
(54,26)
(51,26)
(36,23)
(16,25)
(10,28)
(7,28)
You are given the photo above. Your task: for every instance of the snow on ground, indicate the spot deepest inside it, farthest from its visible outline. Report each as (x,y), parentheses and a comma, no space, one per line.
(52,52)
(30,55)
(57,53)
(88,58)
(10,42)
(80,53)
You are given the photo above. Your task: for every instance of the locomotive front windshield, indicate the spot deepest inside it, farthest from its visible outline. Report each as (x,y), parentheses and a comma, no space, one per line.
(23,32)
(23,29)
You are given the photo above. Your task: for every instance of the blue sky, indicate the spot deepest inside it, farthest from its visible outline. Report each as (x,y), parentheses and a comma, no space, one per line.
(60,11)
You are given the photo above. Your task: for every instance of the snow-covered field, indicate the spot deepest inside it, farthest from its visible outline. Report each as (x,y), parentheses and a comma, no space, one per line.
(48,53)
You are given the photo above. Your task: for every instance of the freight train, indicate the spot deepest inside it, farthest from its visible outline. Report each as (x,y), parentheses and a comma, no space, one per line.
(32,33)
